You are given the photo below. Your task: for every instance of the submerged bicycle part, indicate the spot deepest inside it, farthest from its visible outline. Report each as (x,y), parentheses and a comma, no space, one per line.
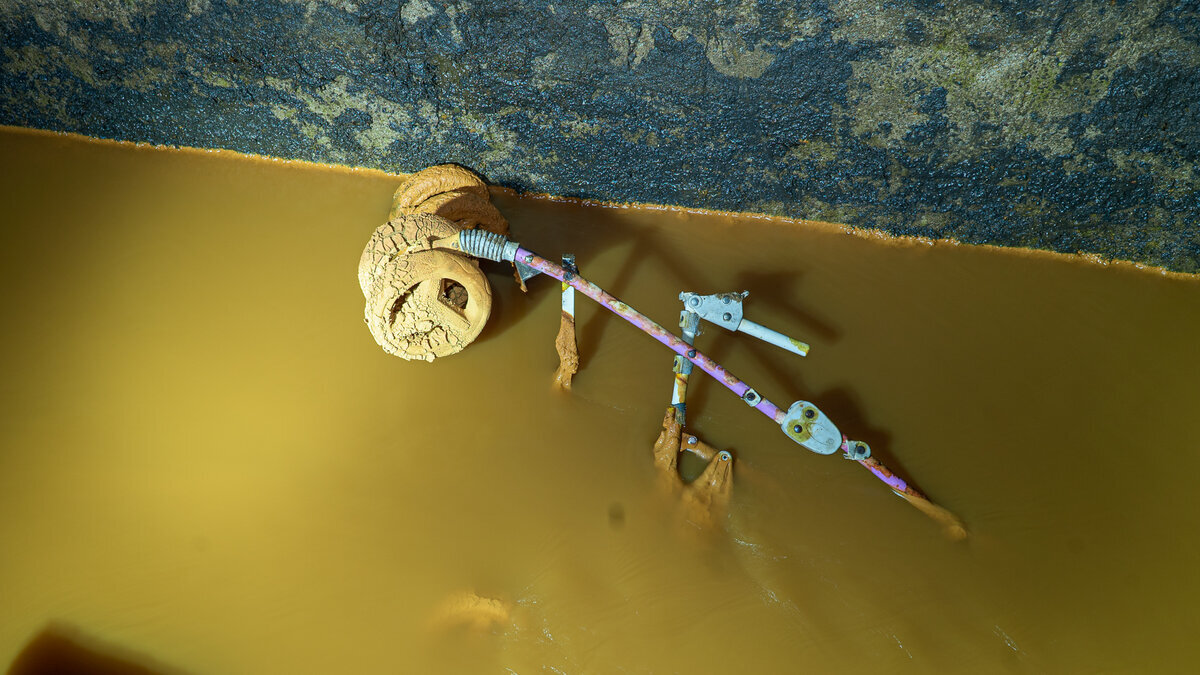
(565,343)
(808,426)
(814,432)
(725,310)
(690,323)
(705,499)
(496,247)
(424,305)
(804,423)
(421,306)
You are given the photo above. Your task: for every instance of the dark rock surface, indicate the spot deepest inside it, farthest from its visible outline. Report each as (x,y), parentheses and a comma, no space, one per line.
(1062,124)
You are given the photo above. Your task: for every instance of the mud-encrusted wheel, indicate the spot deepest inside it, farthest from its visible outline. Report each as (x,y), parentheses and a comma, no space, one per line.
(422,305)
(430,303)
(452,192)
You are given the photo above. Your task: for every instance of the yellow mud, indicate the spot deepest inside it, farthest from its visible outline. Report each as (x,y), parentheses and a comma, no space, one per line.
(208,463)
(566,345)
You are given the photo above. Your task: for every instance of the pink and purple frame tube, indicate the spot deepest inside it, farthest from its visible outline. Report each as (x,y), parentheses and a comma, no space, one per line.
(653,329)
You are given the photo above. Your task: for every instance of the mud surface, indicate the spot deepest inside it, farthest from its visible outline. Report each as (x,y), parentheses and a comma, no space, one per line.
(1069,125)
(207,462)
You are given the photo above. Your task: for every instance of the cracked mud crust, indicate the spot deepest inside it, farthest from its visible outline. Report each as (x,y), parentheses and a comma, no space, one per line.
(704,501)
(423,305)
(433,303)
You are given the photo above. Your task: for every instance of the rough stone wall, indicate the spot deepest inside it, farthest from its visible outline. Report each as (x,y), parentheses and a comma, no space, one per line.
(1072,125)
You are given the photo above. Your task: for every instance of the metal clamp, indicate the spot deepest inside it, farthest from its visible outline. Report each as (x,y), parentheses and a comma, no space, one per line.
(808,426)
(725,310)
(855,450)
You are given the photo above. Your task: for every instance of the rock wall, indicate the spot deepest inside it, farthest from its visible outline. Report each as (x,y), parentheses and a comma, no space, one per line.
(1071,125)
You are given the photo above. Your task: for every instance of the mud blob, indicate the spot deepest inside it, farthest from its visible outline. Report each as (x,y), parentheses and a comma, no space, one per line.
(427,304)
(568,353)
(452,192)
(473,613)
(704,501)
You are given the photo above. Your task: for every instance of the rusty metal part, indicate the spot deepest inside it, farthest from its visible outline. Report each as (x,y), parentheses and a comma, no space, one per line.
(495,247)
(689,322)
(644,323)
(951,524)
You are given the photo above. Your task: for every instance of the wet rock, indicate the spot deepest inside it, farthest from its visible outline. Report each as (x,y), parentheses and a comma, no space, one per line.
(1064,124)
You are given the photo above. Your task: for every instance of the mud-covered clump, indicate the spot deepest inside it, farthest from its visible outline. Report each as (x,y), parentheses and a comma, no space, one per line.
(426,304)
